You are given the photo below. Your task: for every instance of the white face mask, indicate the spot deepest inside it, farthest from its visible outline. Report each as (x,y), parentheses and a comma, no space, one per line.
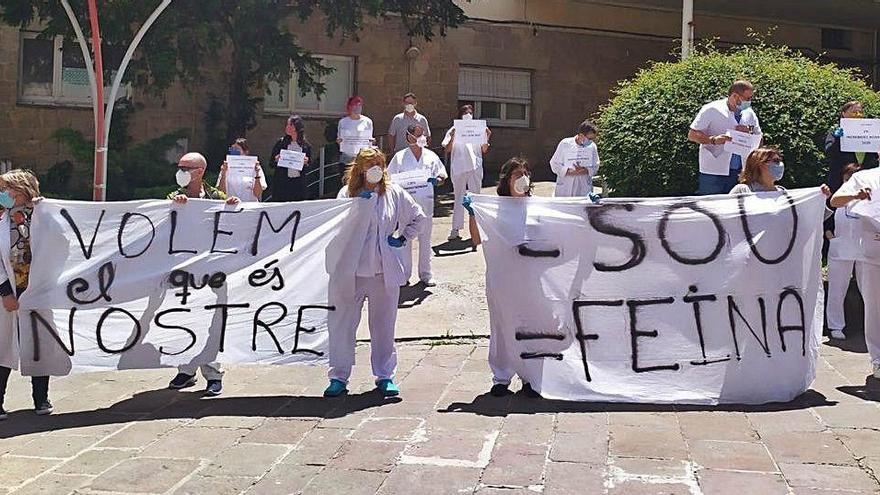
(467,116)
(521,185)
(183,178)
(374,174)
(421,141)
(409,108)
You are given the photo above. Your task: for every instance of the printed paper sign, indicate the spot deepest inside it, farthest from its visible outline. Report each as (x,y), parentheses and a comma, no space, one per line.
(860,135)
(240,169)
(661,300)
(742,143)
(292,159)
(415,182)
(581,157)
(470,131)
(354,143)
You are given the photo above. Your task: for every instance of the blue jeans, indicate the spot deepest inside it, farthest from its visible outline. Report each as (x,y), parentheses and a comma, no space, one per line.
(717,184)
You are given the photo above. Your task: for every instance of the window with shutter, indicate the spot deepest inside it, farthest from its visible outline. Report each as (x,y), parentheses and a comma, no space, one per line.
(500,96)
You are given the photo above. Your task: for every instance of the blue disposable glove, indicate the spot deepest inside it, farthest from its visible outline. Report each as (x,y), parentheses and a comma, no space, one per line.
(365,194)
(396,242)
(595,198)
(838,132)
(433,181)
(466,202)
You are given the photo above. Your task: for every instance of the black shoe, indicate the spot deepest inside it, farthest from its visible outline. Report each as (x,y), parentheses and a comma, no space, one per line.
(43,408)
(214,388)
(3,414)
(529,392)
(499,390)
(182,380)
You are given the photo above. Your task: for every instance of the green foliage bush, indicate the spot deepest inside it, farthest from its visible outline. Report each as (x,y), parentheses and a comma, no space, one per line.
(643,129)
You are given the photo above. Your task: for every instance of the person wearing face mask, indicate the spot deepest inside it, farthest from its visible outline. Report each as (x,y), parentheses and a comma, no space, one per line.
(251,188)
(190,178)
(576,178)
(289,184)
(400,123)
(19,191)
(418,157)
(838,159)
(467,169)
(353,124)
(396,219)
(764,168)
(843,254)
(719,169)
(514,180)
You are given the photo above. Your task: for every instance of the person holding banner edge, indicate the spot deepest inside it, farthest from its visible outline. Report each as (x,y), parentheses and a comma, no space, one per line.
(467,169)
(514,180)
(379,275)
(19,191)
(413,158)
(190,173)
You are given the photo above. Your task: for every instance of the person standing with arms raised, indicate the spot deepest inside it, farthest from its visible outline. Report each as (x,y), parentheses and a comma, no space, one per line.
(720,169)
(467,169)
(400,123)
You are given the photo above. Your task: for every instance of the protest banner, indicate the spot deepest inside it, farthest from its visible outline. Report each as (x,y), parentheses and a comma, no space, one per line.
(292,159)
(470,131)
(146,284)
(669,300)
(742,143)
(860,135)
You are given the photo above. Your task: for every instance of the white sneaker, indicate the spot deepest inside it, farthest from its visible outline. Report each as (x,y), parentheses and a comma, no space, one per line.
(430,282)
(453,235)
(876,367)
(837,335)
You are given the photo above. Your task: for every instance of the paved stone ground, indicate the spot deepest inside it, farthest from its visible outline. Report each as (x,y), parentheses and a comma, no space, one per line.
(271,432)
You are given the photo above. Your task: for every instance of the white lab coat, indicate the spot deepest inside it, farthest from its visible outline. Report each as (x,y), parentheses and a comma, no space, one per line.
(573,185)
(9,350)
(716,118)
(396,211)
(843,251)
(405,161)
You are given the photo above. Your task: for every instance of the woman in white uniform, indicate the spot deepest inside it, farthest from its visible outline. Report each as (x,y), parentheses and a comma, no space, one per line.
(379,274)
(843,253)
(467,169)
(575,162)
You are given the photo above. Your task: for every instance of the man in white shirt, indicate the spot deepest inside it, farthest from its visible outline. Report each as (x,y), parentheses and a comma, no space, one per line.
(397,130)
(416,157)
(719,169)
(860,187)
(575,162)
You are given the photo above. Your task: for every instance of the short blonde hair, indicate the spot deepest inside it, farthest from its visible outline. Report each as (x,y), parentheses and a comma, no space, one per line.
(354,176)
(23,181)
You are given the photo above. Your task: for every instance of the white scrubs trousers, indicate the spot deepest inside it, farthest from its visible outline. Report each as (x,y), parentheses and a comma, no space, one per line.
(424,241)
(839,275)
(382,311)
(462,184)
(869,284)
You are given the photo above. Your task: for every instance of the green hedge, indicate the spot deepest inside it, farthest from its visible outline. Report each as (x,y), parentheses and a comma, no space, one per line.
(643,129)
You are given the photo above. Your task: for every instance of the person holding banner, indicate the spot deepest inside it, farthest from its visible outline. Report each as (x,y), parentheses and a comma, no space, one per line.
(467,168)
(289,183)
(514,180)
(712,130)
(856,195)
(246,185)
(837,159)
(190,173)
(397,130)
(379,274)
(417,158)
(354,131)
(575,162)
(843,253)
(19,190)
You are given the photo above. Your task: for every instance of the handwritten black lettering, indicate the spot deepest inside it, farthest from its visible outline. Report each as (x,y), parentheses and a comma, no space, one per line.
(217,232)
(261,277)
(106,275)
(598,220)
(582,337)
(301,328)
(171,249)
(635,333)
(265,216)
(695,300)
(192,335)
(664,241)
(744,218)
(258,323)
(123,223)
(791,292)
(87,252)
(35,334)
(224,317)
(100,326)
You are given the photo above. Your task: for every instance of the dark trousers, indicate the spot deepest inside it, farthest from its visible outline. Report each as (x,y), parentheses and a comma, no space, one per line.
(39,387)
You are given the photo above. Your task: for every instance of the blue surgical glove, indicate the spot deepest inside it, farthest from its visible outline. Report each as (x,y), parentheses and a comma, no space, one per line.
(838,132)
(466,202)
(595,198)
(365,194)
(433,181)
(396,242)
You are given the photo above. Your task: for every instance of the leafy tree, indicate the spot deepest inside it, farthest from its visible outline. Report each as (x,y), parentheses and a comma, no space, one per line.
(643,129)
(253,32)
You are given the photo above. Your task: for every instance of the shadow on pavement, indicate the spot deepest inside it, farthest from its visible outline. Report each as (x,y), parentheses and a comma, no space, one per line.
(453,248)
(169,404)
(487,405)
(870,391)
(412,295)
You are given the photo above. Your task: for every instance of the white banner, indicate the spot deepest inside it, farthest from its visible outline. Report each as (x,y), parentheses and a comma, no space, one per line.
(860,135)
(146,284)
(670,300)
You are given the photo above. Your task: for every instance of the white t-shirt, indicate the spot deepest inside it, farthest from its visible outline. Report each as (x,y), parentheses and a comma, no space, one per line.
(398,127)
(568,185)
(716,118)
(870,228)
(405,161)
(244,190)
(353,127)
(465,157)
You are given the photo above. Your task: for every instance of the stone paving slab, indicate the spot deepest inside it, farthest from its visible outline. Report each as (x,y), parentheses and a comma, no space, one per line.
(444,435)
